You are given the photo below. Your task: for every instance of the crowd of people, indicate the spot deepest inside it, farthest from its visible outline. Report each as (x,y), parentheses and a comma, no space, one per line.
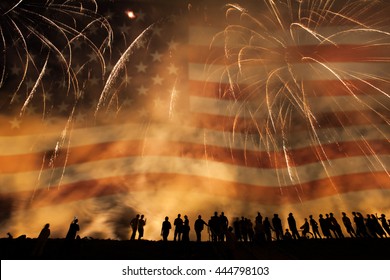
(265,229)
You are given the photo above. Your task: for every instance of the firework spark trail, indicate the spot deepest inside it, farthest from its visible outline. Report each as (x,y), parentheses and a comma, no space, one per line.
(266,41)
(121,64)
(24,22)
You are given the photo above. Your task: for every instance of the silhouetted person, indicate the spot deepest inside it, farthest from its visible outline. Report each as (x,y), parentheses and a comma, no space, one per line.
(41,240)
(199,226)
(259,219)
(141,224)
(277,225)
(384,223)
(237,229)
(330,225)
(178,223)
(251,232)
(335,226)
(314,227)
(259,232)
(287,235)
(10,235)
(305,228)
(293,226)
(324,226)
(371,227)
(267,229)
(378,228)
(224,223)
(361,230)
(186,230)
(166,226)
(73,229)
(215,227)
(231,242)
(134,226)
(348,224)
(244,229)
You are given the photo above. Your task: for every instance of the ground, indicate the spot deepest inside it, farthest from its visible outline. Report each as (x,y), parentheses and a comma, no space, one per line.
(335,249)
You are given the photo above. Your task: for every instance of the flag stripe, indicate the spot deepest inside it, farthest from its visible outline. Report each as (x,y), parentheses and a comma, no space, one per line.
(198,167)
(299,193)
(315,88)
(297,54)
(27,144)
(237,124)
(252,74)
(214,106)
(156,147)
(338,33)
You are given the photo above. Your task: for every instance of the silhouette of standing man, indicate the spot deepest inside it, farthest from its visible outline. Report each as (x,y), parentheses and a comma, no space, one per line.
(293,226)
(178,223)
(41,240)
(141,224)
(277,224)
(166,226)
(73,229)
(199,226)
(134,226)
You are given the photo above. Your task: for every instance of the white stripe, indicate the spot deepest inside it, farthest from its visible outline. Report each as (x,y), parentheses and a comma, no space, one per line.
(19,145)
(349,35)
(255,74)
(25,181)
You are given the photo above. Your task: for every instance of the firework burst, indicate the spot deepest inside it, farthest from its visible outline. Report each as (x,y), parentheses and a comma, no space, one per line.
(36,34)
(285,59)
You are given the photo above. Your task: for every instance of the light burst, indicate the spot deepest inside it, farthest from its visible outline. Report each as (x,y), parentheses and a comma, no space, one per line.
(35,34)
(284,58)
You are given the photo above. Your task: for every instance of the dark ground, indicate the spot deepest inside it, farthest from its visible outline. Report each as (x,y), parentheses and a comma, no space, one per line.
(336,249)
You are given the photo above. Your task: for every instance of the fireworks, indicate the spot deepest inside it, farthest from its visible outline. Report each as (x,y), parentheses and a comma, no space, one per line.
(307,64)
(36,34)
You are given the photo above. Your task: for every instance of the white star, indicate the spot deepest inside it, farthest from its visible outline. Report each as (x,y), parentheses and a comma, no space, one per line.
(172,45)
(16,70)
(63,107)
(47,96)
(92,56)
(109,67)
(29,84)
(140,16)
(143,113)
(158,103)
(76,44)
(15,123)
(172,69)
(141,67)
(142,90)
(93,81)
(127,102)
(124,28)
(156,56)
(80,118)
(157,80)
(93,29)
(31,110)
(157,31)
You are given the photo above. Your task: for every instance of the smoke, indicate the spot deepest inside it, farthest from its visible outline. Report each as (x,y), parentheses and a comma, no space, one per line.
(152,158)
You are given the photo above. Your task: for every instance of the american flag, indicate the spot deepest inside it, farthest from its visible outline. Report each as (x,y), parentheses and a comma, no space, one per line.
(196,122)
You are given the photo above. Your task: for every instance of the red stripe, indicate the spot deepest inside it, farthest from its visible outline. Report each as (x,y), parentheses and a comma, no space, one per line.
(153,147)
(293,54)
(311,89)
(198,185)
(324,120)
